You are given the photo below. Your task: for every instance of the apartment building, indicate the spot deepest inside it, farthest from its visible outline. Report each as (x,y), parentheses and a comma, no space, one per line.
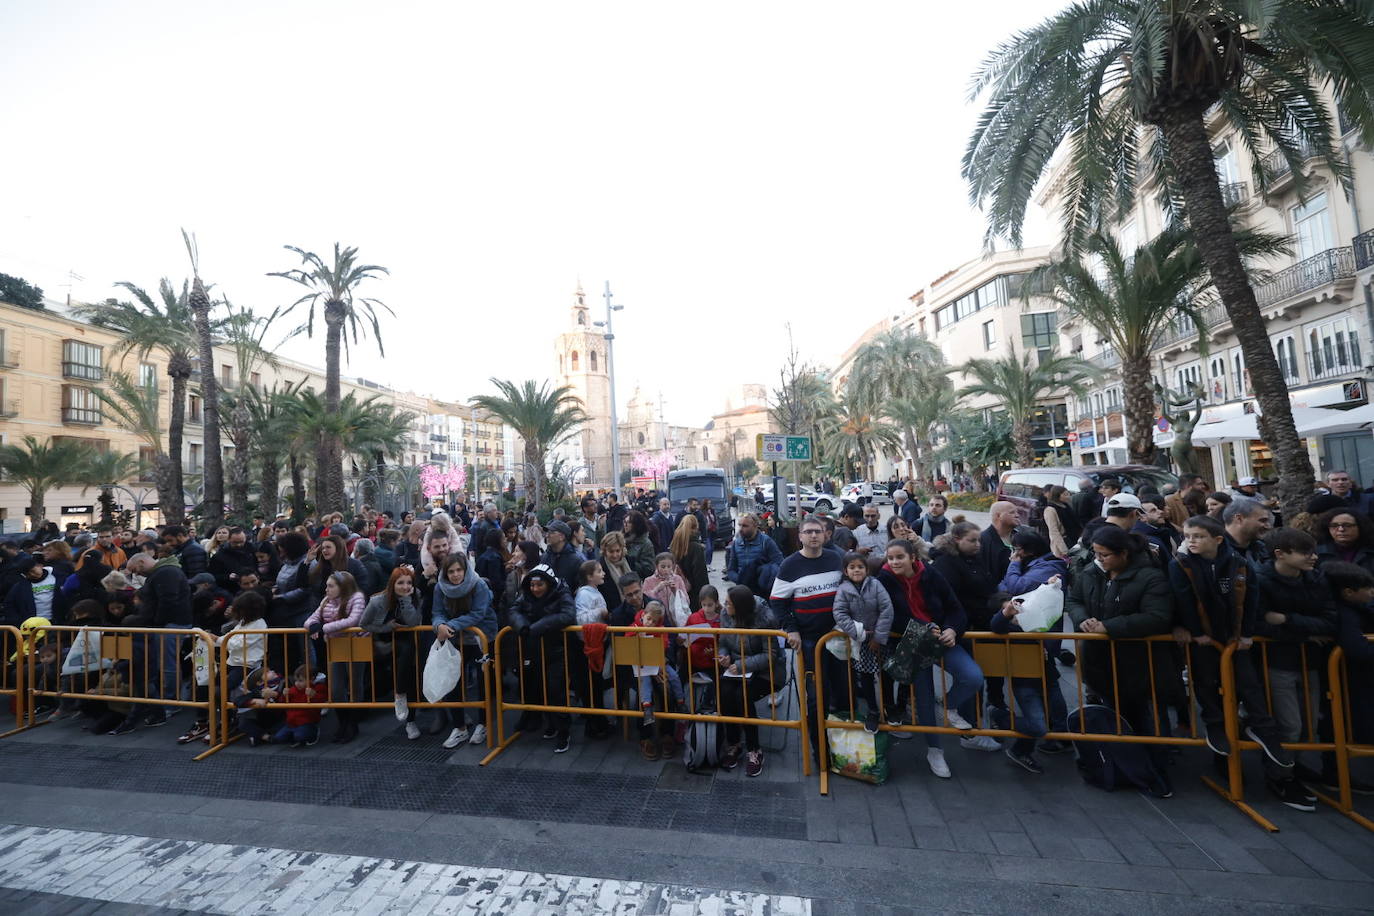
(1317,305)
(52,364)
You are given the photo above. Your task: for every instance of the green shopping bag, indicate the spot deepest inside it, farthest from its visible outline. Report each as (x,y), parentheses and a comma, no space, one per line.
(857,754)
(917,650)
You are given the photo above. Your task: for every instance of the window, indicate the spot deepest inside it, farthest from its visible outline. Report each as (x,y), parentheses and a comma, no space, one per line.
(1039,331)
(1216,388)
(226,376)
(197,461)
(705,454)
(1286,353)
(80,405)
(147,464)
(1240,376)
(1185,377)
(193,413)
(255,379)
(592,358)
(944,317)
(1332,347)
(6,410)
(1312,226)
(147,376)
(82,360)
(1130,239)
(1114,400)
(1228,171)
(989,334)
(7,359)
(574,361)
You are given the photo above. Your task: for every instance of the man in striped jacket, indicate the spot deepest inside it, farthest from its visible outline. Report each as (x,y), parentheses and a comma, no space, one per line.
(803,601)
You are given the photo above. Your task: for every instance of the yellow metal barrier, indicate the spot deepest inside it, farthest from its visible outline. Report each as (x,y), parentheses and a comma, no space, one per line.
(12,679)
(1344,745)
(130,660)
(292,648)
(642,646)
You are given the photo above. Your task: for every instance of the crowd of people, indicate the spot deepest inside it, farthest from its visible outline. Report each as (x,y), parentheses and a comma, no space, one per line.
(1207,567)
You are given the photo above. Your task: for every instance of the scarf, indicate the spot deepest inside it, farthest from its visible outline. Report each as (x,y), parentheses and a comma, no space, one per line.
(911,588)
(458,597)
(615,570)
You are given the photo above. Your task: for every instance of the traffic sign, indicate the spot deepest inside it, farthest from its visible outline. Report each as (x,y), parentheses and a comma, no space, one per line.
(1072,437)
(770,447)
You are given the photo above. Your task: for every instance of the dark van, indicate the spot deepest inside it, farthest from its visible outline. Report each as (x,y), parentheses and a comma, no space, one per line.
(702,484)
(1024,486)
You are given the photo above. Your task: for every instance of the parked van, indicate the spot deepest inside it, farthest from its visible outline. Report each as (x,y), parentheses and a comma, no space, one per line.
(1024,486)
(701,484)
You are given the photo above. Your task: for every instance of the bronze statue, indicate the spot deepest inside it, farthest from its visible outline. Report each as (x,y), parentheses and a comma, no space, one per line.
(1186,411)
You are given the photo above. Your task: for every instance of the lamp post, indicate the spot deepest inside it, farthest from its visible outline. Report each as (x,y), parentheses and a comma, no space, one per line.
(137,500)
(610,369)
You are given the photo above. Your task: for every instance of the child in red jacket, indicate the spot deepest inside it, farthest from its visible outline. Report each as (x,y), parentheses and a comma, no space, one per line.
(302,725)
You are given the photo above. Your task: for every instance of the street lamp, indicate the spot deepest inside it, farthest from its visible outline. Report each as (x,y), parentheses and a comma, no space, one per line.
(610,369)
(137,500)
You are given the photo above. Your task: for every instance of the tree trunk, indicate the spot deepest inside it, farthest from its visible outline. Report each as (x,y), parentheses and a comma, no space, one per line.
(36,498)
(331,449)
(174,509)
(212,506)
(1140,409)
(1190,151)
(271,482)
(1021,436)
(297,491)
(170,497)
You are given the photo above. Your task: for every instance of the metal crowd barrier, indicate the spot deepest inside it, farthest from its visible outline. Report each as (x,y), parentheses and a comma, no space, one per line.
(288,649)
(128,672)
(12,681)
(1344,745)
(568,671)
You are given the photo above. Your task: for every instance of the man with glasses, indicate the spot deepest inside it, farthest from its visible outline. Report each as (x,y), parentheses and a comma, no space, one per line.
(803,601)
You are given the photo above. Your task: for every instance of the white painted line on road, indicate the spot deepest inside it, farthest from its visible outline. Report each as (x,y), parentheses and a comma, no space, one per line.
(218,878)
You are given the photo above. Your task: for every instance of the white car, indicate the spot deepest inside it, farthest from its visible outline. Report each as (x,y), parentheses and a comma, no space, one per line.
(811,501)
(863,493)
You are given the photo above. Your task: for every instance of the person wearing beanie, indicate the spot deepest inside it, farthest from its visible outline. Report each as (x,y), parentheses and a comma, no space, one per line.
(544,608)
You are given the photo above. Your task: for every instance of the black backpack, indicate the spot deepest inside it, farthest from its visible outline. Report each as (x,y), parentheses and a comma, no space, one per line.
(1110,764)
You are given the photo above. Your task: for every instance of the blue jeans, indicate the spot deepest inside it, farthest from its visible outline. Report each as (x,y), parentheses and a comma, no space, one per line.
(169,665)
(297,734)
(968,677)
(709,542)
(1030,705)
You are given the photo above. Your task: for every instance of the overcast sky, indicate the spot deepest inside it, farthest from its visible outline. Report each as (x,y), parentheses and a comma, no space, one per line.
(728,167)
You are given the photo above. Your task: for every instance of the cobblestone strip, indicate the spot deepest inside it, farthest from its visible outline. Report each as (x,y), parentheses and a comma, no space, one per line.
(219,878)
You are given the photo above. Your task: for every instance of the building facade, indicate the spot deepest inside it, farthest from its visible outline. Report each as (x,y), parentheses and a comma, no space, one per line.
(580,352)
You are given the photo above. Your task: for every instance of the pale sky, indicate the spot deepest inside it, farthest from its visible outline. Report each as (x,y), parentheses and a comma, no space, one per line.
(727,166)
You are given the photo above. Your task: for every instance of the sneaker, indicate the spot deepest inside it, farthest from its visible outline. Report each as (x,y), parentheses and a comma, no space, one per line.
(1067,658)
(478,736)
(898,722)
(1217,741)
(412,731)
(1271,747)
(550,731)
(198,730)
(295,744)
(1055,747)
(456,737)
(319,677)
(753,763)
(1025,762)
(1290,793)
(648,749)
(936,758)
(872,722)
(958,721)
(158,718)
(311,741)
(123,728)
(402,707)
(732,756)
(980,743)
(254,742)
(564,744)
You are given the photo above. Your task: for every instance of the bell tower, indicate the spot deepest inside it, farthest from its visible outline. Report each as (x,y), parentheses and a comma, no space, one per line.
(581,355)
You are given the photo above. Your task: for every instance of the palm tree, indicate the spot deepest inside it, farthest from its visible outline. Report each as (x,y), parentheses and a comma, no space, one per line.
(270,424)
(136,407)
(38,467)
(977,443)
(541,416)
(212,472)
(333,288)
(103,469)
(856,434)
(246,333)
(919,416)
(1131,300)
(167,328)
(1128,86)
(1019,384)
(902,366)
(372,429)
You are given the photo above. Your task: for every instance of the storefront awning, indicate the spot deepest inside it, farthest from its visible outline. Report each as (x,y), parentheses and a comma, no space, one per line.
(1310,421)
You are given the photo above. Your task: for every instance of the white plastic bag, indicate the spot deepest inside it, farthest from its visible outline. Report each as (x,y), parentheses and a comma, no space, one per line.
(1041,609)
(680,610)
(442,670)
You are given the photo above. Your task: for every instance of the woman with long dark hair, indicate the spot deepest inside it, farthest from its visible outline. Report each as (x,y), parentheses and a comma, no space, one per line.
(752,666)
(396,606)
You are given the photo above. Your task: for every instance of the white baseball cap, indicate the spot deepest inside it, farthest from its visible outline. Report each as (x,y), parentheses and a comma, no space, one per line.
(1248,482)
(1122,501)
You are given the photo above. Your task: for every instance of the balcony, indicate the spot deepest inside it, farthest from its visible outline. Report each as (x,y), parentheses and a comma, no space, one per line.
(9,359)
(1331,362)
(1108,360)
(438,458)
(9,409)
(437,438)
(83,415)
(1317,271)
(1364,250)
(84,371)
(1235,193)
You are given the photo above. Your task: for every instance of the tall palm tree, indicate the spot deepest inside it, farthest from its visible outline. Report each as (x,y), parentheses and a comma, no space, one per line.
(1020,384)
(333,287)
(271,419)
(38,467)
(919,416)
(136,407)
(541,416)
(103,469)
(373,429)
(245,332)
(1130,300)
(977,443)
(902,365)
(1128,86)
(212,471)
(166,327)
(856,434)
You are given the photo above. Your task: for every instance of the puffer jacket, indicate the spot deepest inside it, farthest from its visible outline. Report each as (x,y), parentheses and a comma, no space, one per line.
(869,605)
(544,618)
(753,652)
(471,607)
(1137,603)
(1310,611)
(1022,579)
